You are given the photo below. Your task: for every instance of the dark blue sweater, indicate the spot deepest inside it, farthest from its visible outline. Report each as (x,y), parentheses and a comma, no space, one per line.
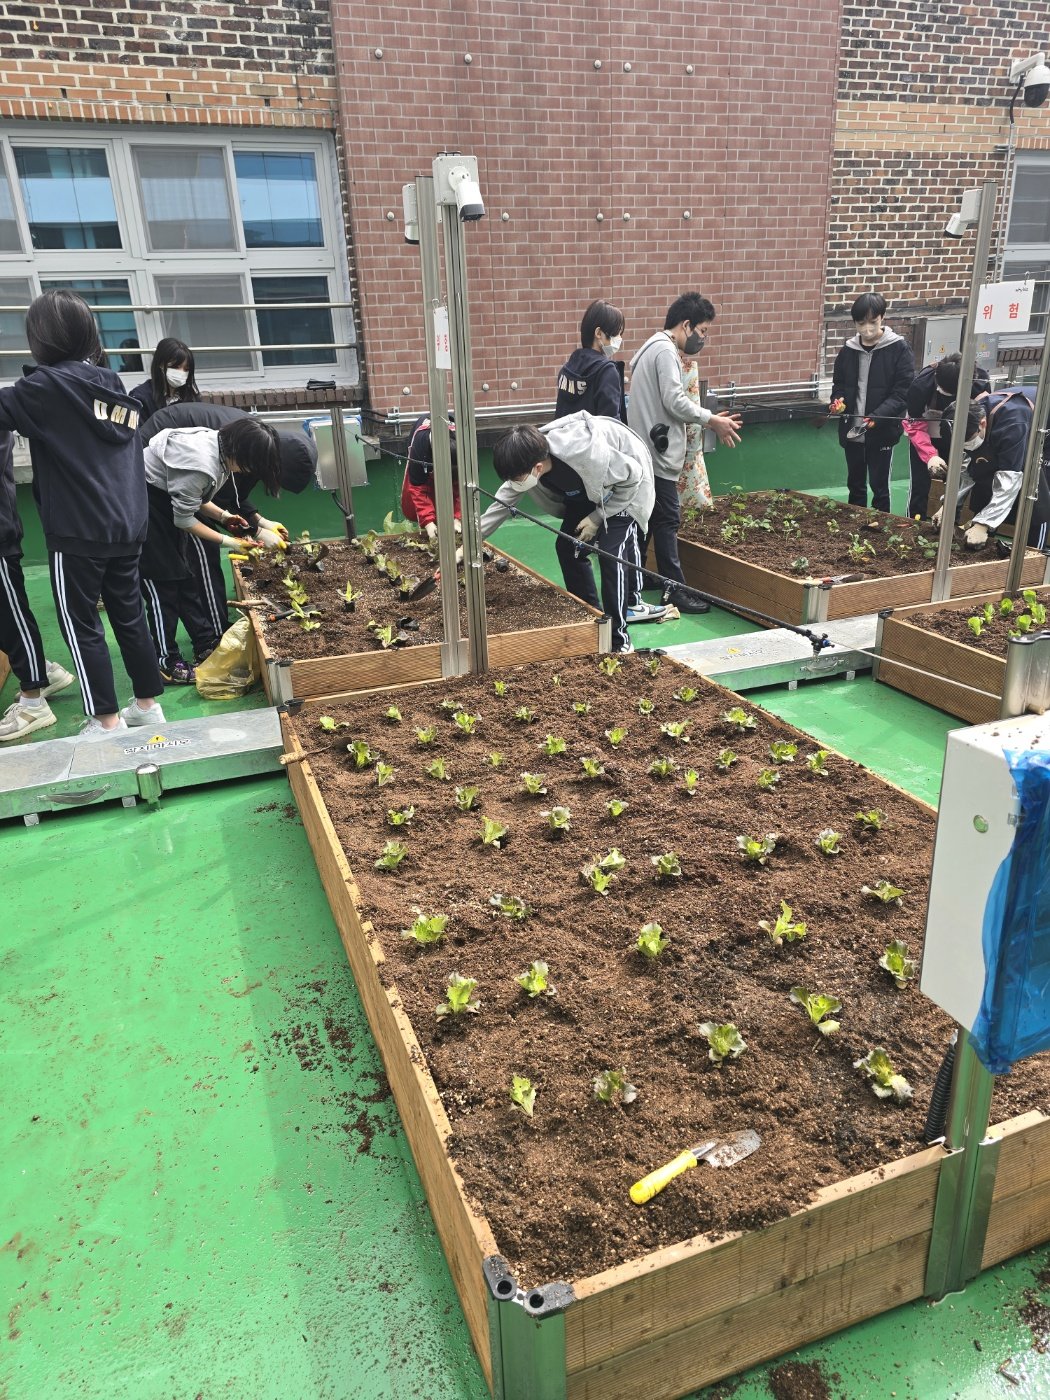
(588,380)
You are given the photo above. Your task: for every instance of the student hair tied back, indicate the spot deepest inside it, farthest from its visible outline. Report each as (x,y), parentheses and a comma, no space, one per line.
(60,326)
(254,447)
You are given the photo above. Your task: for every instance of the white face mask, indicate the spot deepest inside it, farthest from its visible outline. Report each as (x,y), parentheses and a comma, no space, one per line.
(613,346)
(176,377)
(972,444)
(525,484)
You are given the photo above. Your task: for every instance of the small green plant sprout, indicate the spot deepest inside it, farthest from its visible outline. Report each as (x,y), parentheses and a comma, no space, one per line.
(886,1083)
(387,637)
(522,1094)
(304,617)
(767,779)
(691,782)
(329,725)
(653,665)
(611,1087)
(667,866)
(492,832)
(555,678)
(524,715)
(392,855)
(384,773)
(898,545)
(688,694)
(1022,626)
(499,688)
(465,723)
(651,942)
(929,549)
(791,527)
(817,762)
(783,751)
(662,768)
(552,745)
(828,841)
(393,714)
(536,981)
(976,625)
(1006,607)
(533,785)
(675,729)
(871,820)
(832,527)
(896,962)
(609,665)
(616,735)
(466,798)
(426,929)
(817,1006)
(459,997)
(350,596)
(495,759)
(758,848)
(360,752)
(599,880)
(883,891)
(592,767)
(449,706)
(581,707)
(725,760)
(783,929)
(511,906)
(987,613)
(724,1042)
(400,816)
(800,565)
(559,819)
(1038,611)
(859,550)
(738,718)
(426,736)
(616,807)
(439,770)
(645,706)
(613,861)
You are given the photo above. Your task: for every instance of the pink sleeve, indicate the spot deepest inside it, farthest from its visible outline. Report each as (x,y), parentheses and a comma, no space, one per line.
(918,434)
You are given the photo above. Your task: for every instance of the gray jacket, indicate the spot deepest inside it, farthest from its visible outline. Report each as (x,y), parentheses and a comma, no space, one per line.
(656,396)
(610,460)
(184,462)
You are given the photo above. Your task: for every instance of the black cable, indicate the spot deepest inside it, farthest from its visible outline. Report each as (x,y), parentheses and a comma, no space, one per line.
(937,1114)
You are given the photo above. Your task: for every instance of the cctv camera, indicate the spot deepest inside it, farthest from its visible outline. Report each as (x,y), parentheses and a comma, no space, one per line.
(1037,86)
(957,226)
(468,194)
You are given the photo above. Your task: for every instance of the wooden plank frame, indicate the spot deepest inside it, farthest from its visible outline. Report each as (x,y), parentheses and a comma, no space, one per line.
(692,1313)
(309,679)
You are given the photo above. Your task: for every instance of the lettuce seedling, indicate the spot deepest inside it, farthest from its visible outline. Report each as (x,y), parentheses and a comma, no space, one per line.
(449,706)
(616,736)
(616,807)
(738,718)
(599,880)
(400,816)
(466,724)
(460,997)
(817,1006)
(724,1041)
(613,861)
(783,751)
(533,784)
(524,715)
(581,707)
(896,962)
(668,866)
(691,782)
(536,981)
(427,930)
(661,768)
(976,625)
(783,930)
(393,714)
(767,779)
(886,1083)
(1006,607)
(492,832)
(828,841)
(651,942)
(555,678)
(439,770)
(611,1087)
(466,798)
(360,752)
(987,613)
(675,729)
(350,597)
(818,762)
(329,725)
(592,767)
(393,854)
(884,891)
(510,906)
(1022,626)
(687,694)
(1038,611)
(800,565)
(871,820)
(552,745)
(609,665)
(384,774)
(427,735)
(758,848)
(653,665)
(645,707)
(499,688)
(725,760)
(522,1094)
(387,637)
(495,759)
(559,819)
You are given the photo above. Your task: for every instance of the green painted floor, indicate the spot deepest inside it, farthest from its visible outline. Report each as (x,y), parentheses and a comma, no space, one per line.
(205,1189)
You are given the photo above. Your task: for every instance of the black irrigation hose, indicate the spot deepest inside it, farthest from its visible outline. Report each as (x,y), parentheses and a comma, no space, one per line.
(937,1114)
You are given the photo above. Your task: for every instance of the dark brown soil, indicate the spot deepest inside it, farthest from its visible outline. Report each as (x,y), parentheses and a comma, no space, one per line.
(995,635)
(514,600)
(554,1187)
(811,536)
(799,1380)
(1036,1317)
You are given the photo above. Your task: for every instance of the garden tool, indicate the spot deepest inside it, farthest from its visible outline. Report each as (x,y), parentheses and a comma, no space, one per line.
(423,587)
(276,614)
(716,1152)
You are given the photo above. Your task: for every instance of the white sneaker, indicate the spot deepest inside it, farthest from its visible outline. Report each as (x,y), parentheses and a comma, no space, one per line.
(646,612)
(94,730)
(135,717)
(57,678)
(20,720)
(623,651)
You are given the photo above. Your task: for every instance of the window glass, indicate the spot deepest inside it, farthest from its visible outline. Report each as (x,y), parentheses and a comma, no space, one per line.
(108,297)
(14,353)
(293,325)
(10,239)
(67,196)
(185,198)
(1039,273)
(210,324)
(1030,208)
(280,204)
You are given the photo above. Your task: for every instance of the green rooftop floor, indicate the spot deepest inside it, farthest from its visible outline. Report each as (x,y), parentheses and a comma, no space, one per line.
(206,1190)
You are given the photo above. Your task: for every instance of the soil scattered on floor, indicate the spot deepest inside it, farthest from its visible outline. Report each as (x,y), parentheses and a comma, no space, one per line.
(799,1380)
(1036,1317)
(994,635)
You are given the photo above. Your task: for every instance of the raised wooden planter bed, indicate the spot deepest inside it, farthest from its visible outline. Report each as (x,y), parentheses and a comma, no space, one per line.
(375,669)
(689,1314)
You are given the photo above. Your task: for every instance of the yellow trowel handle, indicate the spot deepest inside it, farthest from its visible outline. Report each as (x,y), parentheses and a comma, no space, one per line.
(651,1185)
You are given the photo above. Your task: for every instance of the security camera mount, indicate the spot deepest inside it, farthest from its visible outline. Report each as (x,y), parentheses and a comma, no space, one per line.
(456,184)
(1033,76)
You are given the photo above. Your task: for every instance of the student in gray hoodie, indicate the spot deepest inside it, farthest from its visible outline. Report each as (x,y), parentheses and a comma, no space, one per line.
(658,409)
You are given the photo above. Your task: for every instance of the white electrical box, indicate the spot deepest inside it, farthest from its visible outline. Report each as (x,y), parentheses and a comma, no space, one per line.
(320,429)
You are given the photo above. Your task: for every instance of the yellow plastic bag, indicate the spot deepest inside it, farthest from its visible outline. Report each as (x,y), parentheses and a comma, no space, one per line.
(233,667)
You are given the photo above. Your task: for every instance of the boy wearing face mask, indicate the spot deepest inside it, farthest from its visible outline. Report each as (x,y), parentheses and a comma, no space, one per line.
(658,411)
(590,380)
(933,389)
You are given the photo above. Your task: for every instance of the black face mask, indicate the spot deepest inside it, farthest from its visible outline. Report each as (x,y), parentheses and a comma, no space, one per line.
(694,343)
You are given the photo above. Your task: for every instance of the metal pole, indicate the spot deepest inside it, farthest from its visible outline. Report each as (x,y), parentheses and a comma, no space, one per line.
(452,661)
(342,470)
(1033,466)
(941,581)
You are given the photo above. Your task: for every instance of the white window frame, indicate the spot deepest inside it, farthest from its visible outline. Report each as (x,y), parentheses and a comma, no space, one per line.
(1015,254)
(140,266)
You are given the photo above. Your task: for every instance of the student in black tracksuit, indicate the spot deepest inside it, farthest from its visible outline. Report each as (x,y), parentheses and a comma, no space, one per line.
(873,372)
(590,379)
(932,390)
(297,467)
(91,492)
(171,379)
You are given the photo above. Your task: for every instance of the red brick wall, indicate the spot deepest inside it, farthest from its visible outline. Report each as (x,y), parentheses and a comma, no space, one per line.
(742,144)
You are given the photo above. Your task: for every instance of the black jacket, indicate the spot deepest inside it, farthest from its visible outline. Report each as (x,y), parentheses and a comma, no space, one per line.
(890,376)
(10,523)
(1009,413)
(88,477)
(589,380)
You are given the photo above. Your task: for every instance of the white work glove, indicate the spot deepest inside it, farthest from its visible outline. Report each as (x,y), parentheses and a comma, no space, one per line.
(459,556)
(274,526)
(458,526)
(937,467)
(976,536)
(270,539)
(431,531)
(936,519)
(587,529)
(236,546)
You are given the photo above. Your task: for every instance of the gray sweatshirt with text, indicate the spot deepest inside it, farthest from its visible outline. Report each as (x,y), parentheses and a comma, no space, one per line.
(656,396)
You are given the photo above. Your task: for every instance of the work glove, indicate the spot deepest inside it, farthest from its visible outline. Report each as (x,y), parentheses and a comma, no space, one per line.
(236,522)
(431,531)
(270,539)
(587,529)
(458,526)
(976,536)
(937,467)
(459,556)
(837,406)
(274,526)
(936,518)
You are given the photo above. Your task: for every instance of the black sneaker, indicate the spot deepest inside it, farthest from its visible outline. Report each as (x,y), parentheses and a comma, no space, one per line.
(686,602)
